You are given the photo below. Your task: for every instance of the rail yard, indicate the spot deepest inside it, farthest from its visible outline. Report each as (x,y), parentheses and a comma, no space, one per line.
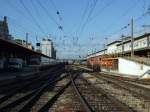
(74,55)
(71,88)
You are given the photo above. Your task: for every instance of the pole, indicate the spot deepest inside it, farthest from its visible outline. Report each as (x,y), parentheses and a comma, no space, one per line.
(104,48)
(106,40)
(105,45)
(36,38)
(122,44)
(132,39)
(26,39)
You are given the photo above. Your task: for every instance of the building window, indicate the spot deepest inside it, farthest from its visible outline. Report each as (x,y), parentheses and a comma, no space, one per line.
(144,42)
(136,44)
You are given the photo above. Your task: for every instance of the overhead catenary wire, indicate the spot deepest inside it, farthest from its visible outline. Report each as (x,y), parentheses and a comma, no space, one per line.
(19,11)
(47,12)
(56,9)
(37,12)
(18,27)
(83,15)
(135,20)
(126,12)
(87,12)
(88,16)
(88,19)
(35,21)
(14,22)
(102,9)
(53,4)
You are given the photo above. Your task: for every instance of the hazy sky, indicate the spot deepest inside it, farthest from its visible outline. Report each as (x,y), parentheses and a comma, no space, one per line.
(85,23)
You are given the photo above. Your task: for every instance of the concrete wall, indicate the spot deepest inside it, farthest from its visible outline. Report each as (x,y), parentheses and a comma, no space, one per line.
(130,67)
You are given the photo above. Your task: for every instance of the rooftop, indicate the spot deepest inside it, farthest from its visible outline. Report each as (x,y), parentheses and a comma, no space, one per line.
(116,41)
(14,47)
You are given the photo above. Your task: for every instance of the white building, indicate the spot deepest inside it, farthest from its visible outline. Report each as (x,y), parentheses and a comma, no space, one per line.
(139,43)
(24,43)
(47,48)
(112,47)
(120,46)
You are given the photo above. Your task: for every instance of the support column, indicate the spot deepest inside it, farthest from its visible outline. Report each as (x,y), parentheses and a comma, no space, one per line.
(132,39)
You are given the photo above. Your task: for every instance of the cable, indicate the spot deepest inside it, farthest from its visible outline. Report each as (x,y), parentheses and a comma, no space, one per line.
(89,14)
(53,4)
(56,9)
(122,15)
(126,26)
(14,23)
(35,21)
(19,28)
(36,10)
(18,10)
(101,10)
(47,12)
(18,25)
(83,15)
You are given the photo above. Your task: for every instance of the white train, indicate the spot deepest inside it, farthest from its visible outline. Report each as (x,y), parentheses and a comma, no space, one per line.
(41,60)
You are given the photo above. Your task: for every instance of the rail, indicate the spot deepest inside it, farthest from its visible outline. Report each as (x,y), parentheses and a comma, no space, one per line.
(86,105)
(33,94)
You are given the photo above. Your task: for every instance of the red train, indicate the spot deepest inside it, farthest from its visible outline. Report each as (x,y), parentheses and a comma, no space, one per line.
(99,62)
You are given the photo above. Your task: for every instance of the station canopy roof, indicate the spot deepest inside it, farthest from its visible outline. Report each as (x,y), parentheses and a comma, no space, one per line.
(10,46)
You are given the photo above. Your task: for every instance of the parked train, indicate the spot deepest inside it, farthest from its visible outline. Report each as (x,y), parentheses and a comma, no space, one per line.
(38,60)
(3,63)
(41,60)
(11,64)
(15,64)
(34,60)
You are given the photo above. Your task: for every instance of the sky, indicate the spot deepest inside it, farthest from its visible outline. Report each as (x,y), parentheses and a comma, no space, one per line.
(86,25)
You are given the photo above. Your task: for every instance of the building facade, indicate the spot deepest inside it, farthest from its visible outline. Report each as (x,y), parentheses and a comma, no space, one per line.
(24,43)
(141,42)
(117,47)
(121,48)
(4,31)
(112,47)
(46,47)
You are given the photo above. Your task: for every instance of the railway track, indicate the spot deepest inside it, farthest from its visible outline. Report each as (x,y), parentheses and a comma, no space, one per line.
(33,104)
(54,95)
(133,96)
(82,96)
(13,83)
(26,91)
(96,99)
(69,101)
(74,91)
(20,78)
(134,88)
(127,79)
(132,92)
(86,97)
(29,84)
